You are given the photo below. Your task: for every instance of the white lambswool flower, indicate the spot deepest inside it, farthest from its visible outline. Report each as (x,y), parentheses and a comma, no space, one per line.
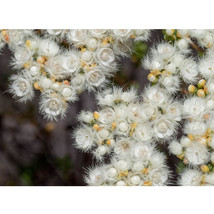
(189,70)
(69,93)
(165,50)
(194,107)
(141,34)
(158,176)
(185,141)
(136,113)
(197,154)
(206,67)
(52,107)
(183,45)
(191,177)
(48,48)
(45,83)
(209,102)
(99,33)
(195,128)
(174,111)
(142,151)
(209,179)
(84,138)
(86,116)
(122,33)
(96,176)
(55,31)
(122,147)
(212,157)
(121,164)
(105,56)
(155,95)
(92,43)
(163,128)
(77,36)
(21,56)
(123,127)
(70,62)
(101,151)
(143,132)
(150,111)
(175,148)
(157,160)
(171,83)
(107,115)
(21,88)
(79,82)
(95,78)
(210,86)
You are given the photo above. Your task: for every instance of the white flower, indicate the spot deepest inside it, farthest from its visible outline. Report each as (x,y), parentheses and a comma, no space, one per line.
(210,85)
(195,128)
(95,177)
(143,132)
(46,83)
(70,62)
(135,180)
(92,43)
(122,32)
(107,115)
(122,147)
(86,56)
(77,35)
(194,106)
(209,178)
(174,111)
(111,172)
(189,70)
(197,153)
(95,77)
(163,128)
(21,88)
(154,95)
(175,148)
(158,177)
(105,56)
(98,32)
(121,183)
(69,93)
(206,67)
(51,107)
(142,151)
(84,138)
(48,48)
(190,177)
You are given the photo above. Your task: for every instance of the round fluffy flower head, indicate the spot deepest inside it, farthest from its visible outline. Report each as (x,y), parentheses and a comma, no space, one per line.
(21,87)
(140,170)
(52,106)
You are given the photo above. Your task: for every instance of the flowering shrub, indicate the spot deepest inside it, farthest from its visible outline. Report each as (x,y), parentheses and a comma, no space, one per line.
(128,130)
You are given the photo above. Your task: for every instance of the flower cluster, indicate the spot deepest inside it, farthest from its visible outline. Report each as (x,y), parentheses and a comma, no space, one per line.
(168,66)
(126,128)
(63,63)
(196,147)
(123,120)
(145,167)
(183,38)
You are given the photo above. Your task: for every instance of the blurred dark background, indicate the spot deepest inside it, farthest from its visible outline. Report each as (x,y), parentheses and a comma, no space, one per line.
(34,151)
